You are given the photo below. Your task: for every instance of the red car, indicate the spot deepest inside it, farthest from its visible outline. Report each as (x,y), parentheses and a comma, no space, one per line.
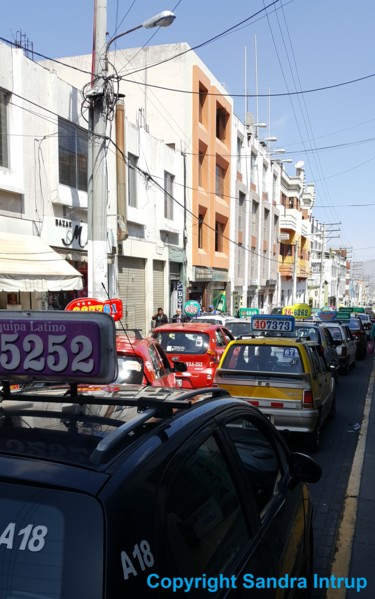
(142,361)
(199,345)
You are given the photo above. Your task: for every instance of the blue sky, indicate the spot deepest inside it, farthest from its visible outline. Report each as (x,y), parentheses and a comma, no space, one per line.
(297,45)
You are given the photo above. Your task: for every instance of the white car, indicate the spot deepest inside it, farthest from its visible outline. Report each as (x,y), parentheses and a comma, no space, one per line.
(346,346)
(213,319)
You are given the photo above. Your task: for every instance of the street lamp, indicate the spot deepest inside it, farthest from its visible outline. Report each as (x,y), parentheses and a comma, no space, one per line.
(162,19)
(97,269)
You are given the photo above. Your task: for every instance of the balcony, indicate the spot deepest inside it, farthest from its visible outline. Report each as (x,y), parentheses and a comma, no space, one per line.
(291,220)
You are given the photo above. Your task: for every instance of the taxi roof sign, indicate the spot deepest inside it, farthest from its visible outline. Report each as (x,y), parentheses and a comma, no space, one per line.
(261,323)
(57,346)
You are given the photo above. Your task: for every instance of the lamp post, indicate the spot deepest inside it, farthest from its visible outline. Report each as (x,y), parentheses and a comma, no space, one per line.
(97,271)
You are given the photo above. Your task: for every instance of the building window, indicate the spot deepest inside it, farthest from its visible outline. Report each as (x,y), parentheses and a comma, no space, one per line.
(202,166)
(241,215)
(219,236)
(239,152)
(201,229)
(168,195)
(253,168)
(73,151)
(221,123)
(4,129)
(254,215)
(132,180)
(219,184)
(274,188)
(265,177)
(202,104)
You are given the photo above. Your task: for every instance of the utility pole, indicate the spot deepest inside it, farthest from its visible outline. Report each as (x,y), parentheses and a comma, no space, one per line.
(97,177)
(321,299)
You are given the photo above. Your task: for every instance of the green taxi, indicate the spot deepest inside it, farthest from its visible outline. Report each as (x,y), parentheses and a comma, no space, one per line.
(284,376)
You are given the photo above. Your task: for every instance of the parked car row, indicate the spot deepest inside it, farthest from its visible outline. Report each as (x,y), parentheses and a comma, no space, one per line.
(205,471)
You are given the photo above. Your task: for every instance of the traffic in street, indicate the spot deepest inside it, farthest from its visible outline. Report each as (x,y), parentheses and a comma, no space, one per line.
(238,486)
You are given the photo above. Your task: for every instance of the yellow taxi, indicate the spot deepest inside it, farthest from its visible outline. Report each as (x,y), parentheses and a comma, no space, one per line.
(284,376)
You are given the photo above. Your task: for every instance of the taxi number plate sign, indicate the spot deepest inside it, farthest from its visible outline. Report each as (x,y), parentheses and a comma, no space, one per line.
(58,346)
(260,323)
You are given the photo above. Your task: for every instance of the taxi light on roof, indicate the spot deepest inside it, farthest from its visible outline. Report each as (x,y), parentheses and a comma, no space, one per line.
(58,346)
(261,323)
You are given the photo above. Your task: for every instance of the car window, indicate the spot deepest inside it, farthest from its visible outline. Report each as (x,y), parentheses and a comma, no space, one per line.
(220,339)
(130,370)
(40,545)
(157,362)
(259,458)
(354,324)
(319,363)
(206,528)
(311,332)
(327,336)
(183,342)
(336,333)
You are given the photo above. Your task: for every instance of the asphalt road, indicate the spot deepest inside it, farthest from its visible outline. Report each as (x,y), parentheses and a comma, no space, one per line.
(338,443)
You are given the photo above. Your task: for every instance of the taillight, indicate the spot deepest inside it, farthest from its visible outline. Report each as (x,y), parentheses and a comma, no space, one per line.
(308,398)
(214,357)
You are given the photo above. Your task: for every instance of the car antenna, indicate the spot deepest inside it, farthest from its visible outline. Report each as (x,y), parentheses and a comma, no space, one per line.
(121,323)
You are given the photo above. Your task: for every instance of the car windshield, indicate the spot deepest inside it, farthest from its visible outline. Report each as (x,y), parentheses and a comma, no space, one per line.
(265,358)
(239,328)
(182,342)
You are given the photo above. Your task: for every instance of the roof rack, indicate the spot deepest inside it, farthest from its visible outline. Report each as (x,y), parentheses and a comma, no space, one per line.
(153,408)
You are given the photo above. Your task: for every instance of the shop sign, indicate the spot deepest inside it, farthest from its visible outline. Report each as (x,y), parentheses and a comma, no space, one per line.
(113,306)
(192,308)
(180,294)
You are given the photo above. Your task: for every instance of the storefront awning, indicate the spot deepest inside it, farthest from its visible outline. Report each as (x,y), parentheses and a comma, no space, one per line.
(29,264)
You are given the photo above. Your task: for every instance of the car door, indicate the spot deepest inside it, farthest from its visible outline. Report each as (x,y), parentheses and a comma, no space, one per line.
(323,382)
(284,512)
(351,344)
(208,524)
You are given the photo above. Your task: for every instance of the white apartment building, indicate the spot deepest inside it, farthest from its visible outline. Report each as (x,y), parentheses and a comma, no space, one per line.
(44,198)
(255,226)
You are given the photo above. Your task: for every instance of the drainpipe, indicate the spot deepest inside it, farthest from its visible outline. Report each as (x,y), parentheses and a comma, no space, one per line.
(122,223)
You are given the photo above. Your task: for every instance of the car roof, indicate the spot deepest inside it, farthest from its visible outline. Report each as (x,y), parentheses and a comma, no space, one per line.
(192,327)
(275,340)
(95,431)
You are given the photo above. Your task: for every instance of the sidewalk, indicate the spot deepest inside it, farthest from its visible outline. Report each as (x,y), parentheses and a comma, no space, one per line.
(362,563)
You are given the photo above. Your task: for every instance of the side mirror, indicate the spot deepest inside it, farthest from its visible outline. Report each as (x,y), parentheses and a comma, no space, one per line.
(338,342)
(304,469)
